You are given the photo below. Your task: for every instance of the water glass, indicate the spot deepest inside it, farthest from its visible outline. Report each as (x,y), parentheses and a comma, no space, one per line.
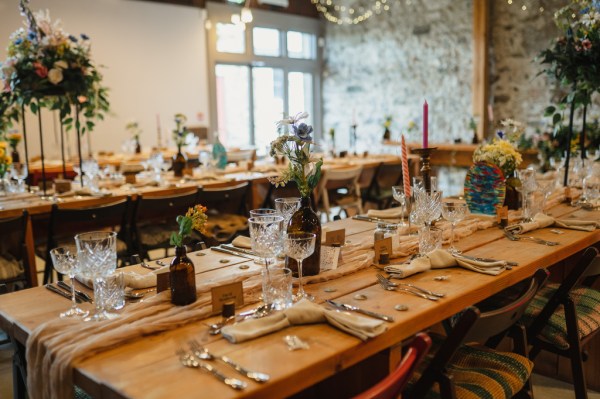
(300,246)
(430,239)
(114,291)
(65,261)
(263,212)
(286,208)
(19,172)
(277,287)
(97,254)
(528,186)
(266,236)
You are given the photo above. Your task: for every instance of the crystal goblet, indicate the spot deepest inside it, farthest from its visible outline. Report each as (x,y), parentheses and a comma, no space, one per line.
(400,196)
(97,253)
(286,208)
(65,261)
(266,236)
(300,246)
(454,212)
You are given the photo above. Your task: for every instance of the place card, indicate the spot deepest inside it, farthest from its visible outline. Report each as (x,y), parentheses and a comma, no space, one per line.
(380,246)
(335,237)
(163,283)
(227,293)
(329,257)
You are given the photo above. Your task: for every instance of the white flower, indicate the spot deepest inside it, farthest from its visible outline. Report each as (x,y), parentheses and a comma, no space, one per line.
(61,64)
(291,120)
(55,76)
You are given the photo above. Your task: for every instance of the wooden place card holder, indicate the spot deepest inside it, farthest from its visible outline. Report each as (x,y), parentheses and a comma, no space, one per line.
(382,246)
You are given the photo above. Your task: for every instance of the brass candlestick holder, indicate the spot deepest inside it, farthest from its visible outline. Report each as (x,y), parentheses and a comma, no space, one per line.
(425,154)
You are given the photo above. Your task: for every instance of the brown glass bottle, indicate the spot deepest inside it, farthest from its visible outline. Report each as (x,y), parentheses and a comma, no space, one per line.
(305,220)
(182,277)
(179,163)
(138,146)
(512,199)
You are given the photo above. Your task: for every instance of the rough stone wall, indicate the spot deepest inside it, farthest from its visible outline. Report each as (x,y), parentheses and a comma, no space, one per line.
(517,37)
(393,61)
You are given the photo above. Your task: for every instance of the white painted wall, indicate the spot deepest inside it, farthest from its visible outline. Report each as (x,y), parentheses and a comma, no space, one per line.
(155,58)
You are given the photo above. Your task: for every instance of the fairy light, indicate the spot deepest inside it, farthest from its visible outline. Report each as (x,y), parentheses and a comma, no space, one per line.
(349,15)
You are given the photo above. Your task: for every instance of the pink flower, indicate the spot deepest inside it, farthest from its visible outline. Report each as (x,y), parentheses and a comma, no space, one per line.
(40,70)
(586,43)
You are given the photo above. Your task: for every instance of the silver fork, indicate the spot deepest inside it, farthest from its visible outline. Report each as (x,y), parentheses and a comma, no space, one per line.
(423,290)
(386,286)
(189,360)
(203,353)
(514,237)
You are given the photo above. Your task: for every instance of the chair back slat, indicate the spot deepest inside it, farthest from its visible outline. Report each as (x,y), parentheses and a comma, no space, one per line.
(227,199)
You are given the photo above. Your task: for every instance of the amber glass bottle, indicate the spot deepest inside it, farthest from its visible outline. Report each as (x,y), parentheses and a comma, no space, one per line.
(182,277)
(179,163)
(305,220)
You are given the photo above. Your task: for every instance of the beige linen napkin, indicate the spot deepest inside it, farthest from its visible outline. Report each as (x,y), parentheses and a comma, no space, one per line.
(440,259)
(304,312)
(133,280)
(392,213)
(540,221)
(242,242)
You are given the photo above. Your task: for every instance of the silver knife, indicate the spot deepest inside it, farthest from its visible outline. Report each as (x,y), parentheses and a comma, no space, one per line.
(236,249)
(82,295)
(61,292)
(367,219)
(479,259)
(345,306)
(230,252)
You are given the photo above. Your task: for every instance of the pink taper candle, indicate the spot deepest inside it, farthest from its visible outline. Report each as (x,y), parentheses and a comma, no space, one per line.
(425,124)
(405,174)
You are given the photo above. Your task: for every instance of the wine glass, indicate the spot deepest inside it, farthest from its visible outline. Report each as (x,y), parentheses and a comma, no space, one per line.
(97,253)
(300,246)
(546,186)
(400,196)
(266,236)
(286,208)
(19,172)
(64,260)
(528,185)
(454,212)
(430,205)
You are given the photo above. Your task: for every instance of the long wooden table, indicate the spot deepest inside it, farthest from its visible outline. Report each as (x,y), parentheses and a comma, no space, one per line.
(148,367)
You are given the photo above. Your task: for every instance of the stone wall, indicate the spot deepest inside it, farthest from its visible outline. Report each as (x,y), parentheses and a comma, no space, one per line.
(393,61)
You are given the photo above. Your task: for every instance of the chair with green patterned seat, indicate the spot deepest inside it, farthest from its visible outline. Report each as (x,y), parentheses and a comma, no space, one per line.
(563,318)
(476,369)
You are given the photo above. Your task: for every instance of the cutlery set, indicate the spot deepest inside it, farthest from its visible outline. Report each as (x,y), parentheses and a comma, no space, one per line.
(408,288)
(198,357)
(515,237)
(63,289)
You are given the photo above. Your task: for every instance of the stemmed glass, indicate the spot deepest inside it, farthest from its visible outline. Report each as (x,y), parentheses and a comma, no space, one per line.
(429,205)
(528,185)
(400,196)
(454,212)
(286,208)
(266,236)
(546,186)
(300,246)
(19,172)
(64,260)
(97,253)
(263,212)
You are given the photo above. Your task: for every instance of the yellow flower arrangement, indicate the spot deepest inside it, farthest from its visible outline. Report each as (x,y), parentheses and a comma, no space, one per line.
(194,219)
(501,153)
(5,158)
(14,139)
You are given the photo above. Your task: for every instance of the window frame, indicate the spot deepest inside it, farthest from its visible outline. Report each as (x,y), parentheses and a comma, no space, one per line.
(221,13)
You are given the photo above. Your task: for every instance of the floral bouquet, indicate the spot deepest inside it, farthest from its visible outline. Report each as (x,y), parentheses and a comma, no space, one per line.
(133,128)
(501,151)
(5,158)
(194,219)
(180,132)
(54,68)
(386,127)
(302,168)
(14,139)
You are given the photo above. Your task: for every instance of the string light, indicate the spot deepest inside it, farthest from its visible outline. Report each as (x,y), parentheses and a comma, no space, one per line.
(349,15)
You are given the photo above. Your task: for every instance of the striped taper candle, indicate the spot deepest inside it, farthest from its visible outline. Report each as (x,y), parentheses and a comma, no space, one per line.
(405,174)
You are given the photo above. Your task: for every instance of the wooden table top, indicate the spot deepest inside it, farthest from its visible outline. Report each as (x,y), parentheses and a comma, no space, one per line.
(148,367)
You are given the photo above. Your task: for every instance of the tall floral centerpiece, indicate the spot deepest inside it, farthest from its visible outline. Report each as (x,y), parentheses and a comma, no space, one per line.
(304,169)
(573,63)
(179,137)
(5,162)
(503,153)
(13,140)
(133,128)
(387,124)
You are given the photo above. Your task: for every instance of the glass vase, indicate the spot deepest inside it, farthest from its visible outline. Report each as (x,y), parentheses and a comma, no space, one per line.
(179,163)
(305,220)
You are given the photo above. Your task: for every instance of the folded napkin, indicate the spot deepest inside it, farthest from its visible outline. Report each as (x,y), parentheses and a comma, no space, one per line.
(304,312)
(540,221)
(392,213)
(242,242)
(133,280)
(440,259)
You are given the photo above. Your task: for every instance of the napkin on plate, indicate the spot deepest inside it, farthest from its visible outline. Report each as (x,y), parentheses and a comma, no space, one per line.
(440,259)
(540,221)
(304,312)
(242,242)
(392,213)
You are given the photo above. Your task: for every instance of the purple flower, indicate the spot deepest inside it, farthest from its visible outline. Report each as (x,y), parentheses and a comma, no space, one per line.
(73,38)
(31,35)
(18,41)
(500,134)
(303,131)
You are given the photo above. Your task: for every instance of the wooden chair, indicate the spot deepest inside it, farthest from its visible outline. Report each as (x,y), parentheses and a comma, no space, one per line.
(339,187)
(68,220)
(380,189)
(391,386)
(14,263)
(563,318)
(476,370)
(227,212)
(154,219)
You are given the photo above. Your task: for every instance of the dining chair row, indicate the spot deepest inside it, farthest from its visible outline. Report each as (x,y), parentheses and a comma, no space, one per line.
(146,223)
